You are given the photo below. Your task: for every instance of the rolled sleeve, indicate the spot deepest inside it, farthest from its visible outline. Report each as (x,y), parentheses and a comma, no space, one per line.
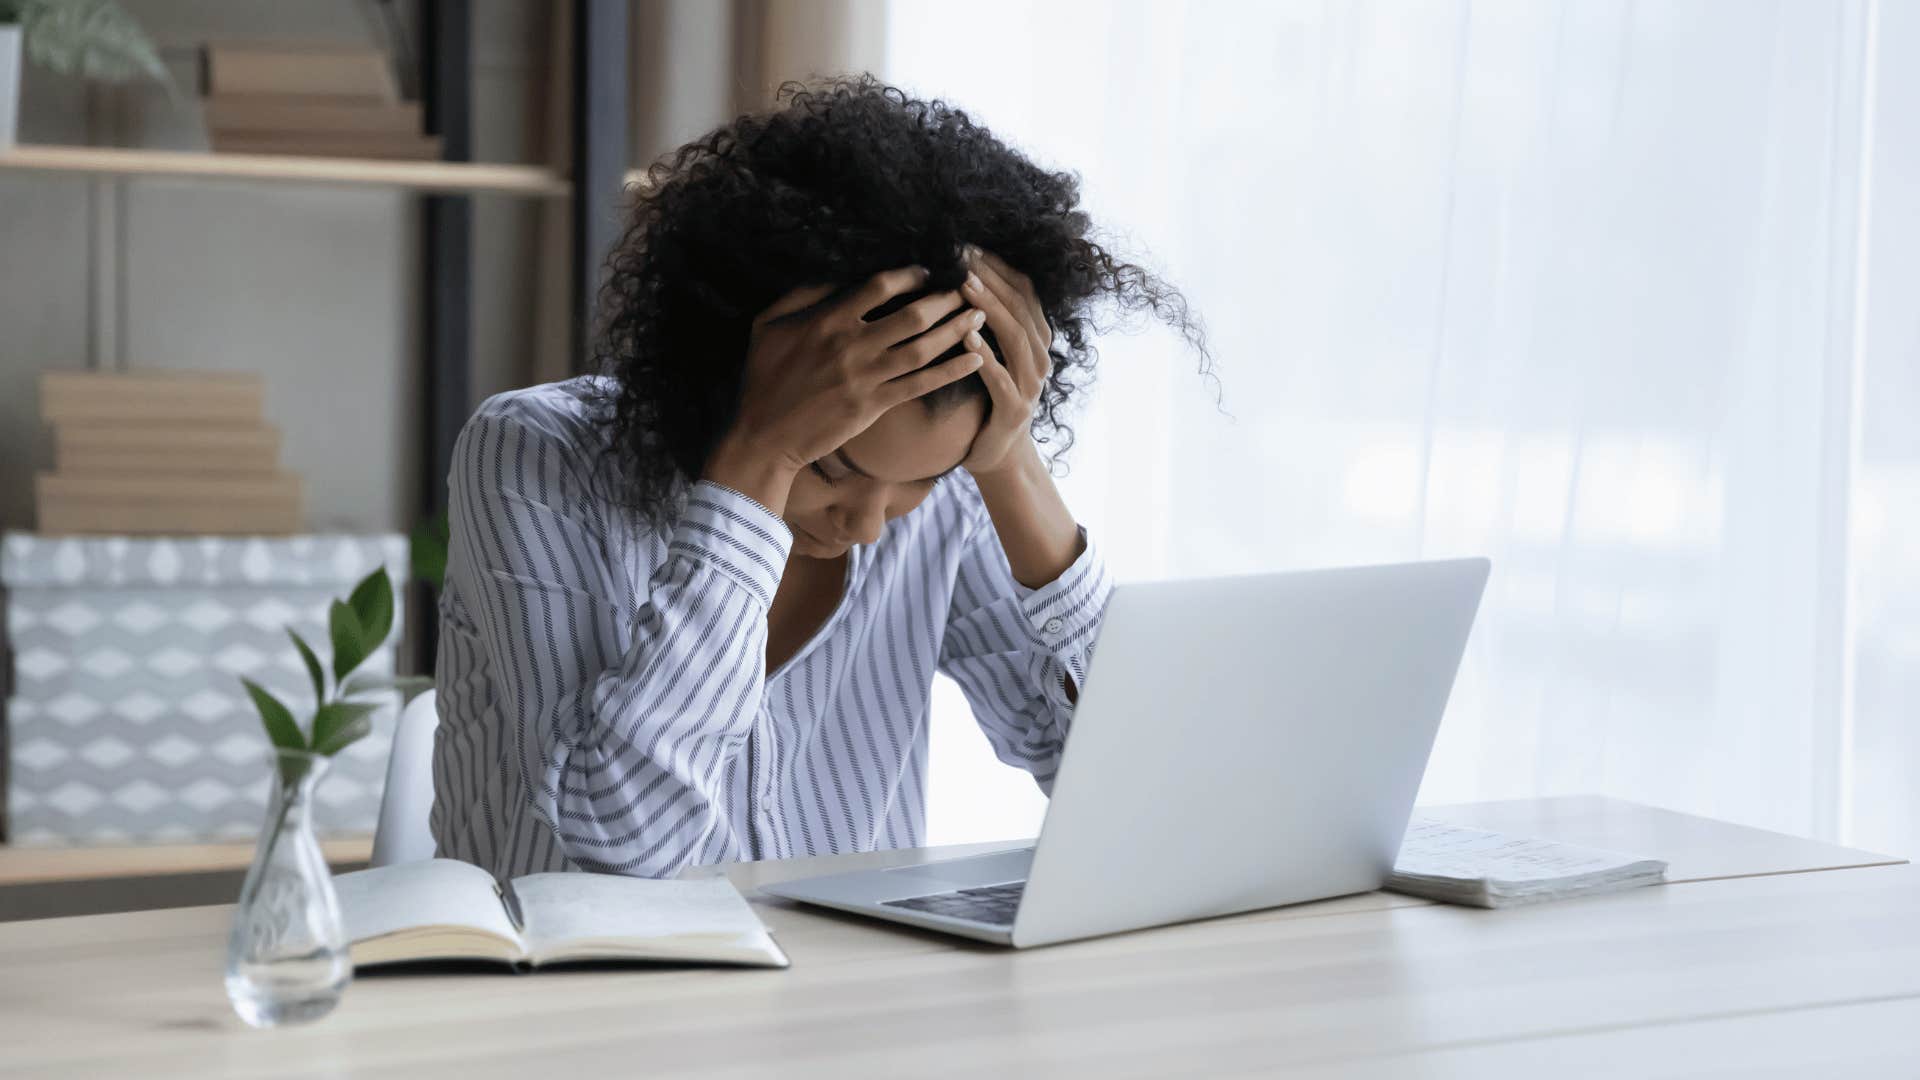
(736,535)
(1012,649)
(1064,614)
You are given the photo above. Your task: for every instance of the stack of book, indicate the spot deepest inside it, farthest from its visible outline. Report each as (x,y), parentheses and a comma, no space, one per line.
(162,453)
(1458,865)
(313,99)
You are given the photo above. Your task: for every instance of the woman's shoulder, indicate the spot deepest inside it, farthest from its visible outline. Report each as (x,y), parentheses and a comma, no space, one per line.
(567,411)
(564,421)
(567,418)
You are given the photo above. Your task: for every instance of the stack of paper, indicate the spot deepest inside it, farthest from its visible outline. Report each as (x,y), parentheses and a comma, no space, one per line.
(162,452)
(313,98)
(1458,865)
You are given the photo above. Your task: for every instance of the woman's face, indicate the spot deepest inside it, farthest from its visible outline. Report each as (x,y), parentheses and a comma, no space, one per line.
(846,497)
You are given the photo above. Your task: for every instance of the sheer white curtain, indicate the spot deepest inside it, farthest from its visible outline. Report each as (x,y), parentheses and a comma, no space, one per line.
(1616,294)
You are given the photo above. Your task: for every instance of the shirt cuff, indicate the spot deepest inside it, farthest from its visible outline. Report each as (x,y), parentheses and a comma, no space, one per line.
(736,535)
(1065,613)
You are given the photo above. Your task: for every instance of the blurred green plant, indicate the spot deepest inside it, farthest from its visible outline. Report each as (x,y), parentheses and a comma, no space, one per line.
(357,627)
(94,39)
(429,548)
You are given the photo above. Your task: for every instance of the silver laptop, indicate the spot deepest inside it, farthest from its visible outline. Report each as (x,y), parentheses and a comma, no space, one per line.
(1240,743)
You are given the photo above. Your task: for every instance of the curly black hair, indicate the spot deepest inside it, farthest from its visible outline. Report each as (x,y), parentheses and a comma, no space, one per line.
(849,177)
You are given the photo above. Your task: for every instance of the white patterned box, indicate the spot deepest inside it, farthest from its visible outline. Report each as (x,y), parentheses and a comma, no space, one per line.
(125,720)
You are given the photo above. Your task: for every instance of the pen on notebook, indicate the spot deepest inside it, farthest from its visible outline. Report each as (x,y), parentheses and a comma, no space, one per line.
(512,901)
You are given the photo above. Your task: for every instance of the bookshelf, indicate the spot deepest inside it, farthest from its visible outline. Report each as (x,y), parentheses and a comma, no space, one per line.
(579,190)
(42,865)
(42,883)
(431,177)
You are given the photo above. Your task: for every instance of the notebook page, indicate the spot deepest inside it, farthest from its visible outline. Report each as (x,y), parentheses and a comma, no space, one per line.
(431,892)
(1436,849)
(563,907)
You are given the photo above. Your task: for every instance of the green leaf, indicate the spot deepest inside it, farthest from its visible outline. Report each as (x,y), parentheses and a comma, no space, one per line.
(294,768)
(348,645)
(428,547)
(410,686)
(339,723)
(372,603)
(95,39)
(314,670)
(279,722)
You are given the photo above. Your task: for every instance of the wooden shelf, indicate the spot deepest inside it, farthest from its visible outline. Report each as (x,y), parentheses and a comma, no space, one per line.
(32,865)
(435,176)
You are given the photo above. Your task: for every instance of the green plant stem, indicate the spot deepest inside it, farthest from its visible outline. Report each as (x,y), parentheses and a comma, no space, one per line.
(279,826)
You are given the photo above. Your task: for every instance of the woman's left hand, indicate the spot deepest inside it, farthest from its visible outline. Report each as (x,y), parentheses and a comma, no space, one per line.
(1021,330)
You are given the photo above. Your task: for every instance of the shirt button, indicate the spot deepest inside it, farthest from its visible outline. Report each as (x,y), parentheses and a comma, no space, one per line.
(1054,626)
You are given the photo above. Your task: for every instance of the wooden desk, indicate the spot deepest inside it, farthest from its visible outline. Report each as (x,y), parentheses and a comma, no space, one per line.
(42,865)
(1794,973)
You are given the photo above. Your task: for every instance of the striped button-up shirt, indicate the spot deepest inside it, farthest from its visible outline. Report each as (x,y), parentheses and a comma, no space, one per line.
(602,687)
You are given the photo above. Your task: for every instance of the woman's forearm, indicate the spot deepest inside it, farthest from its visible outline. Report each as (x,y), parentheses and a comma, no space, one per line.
(1036,529)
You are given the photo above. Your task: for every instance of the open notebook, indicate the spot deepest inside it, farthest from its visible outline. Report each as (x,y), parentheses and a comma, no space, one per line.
(446,909)
(1458,865)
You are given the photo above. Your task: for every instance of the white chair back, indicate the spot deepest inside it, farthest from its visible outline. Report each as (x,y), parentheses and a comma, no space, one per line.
(402,834)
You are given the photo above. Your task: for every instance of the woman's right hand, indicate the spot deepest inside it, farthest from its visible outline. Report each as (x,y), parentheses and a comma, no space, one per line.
(813,382)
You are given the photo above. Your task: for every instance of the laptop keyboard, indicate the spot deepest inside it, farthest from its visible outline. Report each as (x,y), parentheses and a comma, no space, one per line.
(988,904)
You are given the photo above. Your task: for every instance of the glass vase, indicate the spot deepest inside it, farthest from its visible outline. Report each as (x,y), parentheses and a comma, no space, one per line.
(287,955)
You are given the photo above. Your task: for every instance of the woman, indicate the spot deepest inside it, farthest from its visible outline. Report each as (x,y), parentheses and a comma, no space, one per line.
(694,605)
